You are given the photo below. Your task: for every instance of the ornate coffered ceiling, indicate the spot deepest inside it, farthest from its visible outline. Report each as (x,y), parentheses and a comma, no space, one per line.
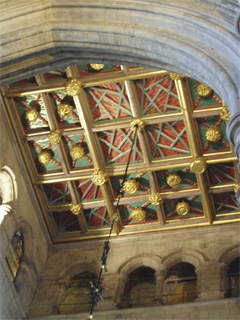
(182,170)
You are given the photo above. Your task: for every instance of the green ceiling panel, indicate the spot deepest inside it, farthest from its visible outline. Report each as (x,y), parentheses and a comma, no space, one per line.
(188,179)
(212,101)
(34,101)
(221,174)
(57,194)
(88,191)
(127,209)
(65,222)
(195,211)
(54,75)
(86,69)
(97,218)
(54,164)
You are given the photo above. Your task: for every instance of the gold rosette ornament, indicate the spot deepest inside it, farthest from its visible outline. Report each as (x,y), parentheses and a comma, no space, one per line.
(77,152)
(64,109)
(96,67)
(225,113)
(203,90)
(73,87)
(32,115)
(174,180)
(175,76)
(213,134)
(131,186)
(137,124)
(54,136)
(182,208)
(44,156)
(76,208)
(198,165)
(99,177)
(156,199)
(138,214)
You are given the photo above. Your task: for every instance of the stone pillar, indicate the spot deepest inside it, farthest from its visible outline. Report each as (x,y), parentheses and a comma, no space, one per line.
(211,281)
(160,277)
(60,289)
(122,281)
(233,132)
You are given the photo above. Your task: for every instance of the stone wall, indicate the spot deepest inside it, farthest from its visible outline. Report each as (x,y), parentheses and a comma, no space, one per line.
(227,309)
(209,249)
(23,213)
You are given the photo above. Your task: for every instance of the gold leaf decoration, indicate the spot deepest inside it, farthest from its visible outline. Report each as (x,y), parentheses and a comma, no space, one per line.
(32,115)
(175,76)
(225,113)
(174,180)
(156,199)
(76,152)
(213,134)
(54,136)
(97,67)
(76,209)
(198,165)
(203,90)
(99,177)
(44,156)
(138,214)
(131,186)
(73,87)
(236,187)
(182,208)
(64,109)
(137,124)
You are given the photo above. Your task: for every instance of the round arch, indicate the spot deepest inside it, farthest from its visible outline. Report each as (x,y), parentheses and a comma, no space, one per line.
(227,256)
(203,45)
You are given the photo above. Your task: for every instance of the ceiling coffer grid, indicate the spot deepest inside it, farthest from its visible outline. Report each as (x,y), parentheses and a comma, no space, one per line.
(182,168)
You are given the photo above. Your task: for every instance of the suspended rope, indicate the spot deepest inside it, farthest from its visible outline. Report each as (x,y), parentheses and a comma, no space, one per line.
(97,288)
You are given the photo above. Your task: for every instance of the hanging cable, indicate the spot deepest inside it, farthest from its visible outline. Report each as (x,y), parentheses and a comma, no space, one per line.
(96,287)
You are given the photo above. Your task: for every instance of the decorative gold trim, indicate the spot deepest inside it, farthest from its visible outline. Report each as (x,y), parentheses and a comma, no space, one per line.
(76,152)
(96,67)
(64,109)
(131,186)
(225,113)
(198,165)
(76,209)
(73,87)
(137,124)
(138,214)
(176,76)
(174,180)
(54,136)
(236,187)
(182,208)
(32,115)
(99,177)
(203,90)
(44,156)
(213,134)
(156,199)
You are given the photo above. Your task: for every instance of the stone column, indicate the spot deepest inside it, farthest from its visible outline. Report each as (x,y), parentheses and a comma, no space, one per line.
(160,277)
(233,132)
(211,281)
(122,281)
(60,289)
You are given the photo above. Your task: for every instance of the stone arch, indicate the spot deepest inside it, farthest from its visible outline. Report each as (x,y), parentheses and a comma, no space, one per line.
(67,274)
(144,260)
(190,256)
(147,33)
(228,255)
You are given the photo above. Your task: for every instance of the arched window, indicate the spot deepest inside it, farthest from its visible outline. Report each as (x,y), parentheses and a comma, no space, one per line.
(140,289)
(14,253)
(180,285)
(233,278)
(76,296)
